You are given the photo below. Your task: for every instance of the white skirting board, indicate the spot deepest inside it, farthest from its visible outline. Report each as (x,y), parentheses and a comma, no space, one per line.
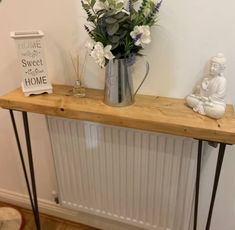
(140,178)
(50,208)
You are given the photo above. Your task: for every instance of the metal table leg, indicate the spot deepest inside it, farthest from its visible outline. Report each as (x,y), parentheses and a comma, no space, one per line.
(199,157)
(216,181)
(31,190)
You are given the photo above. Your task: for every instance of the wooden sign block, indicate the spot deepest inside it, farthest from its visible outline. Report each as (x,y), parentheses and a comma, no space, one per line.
(32,62)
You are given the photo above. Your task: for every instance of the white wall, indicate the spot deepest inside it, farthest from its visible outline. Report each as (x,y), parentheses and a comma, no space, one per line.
(190,32)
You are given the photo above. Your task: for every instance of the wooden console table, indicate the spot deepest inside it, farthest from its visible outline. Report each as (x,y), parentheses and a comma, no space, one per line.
(158,114)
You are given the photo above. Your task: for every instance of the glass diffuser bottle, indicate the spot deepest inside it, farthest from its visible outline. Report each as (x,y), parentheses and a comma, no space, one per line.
(78,89)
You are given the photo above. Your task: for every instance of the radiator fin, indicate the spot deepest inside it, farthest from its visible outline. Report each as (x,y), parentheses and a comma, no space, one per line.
(141,178)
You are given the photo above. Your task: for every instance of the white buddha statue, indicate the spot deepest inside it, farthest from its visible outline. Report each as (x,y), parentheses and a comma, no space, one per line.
(208,97)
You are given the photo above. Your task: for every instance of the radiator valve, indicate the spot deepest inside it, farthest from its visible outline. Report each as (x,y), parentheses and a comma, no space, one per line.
(55,197)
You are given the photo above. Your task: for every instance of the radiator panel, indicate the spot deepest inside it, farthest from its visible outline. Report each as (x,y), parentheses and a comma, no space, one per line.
(141,178)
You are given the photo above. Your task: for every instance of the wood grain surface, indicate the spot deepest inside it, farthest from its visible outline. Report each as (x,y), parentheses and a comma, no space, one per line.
(159,114)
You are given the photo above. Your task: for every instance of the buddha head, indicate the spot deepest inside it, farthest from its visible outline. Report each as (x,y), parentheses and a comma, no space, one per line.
(217,64)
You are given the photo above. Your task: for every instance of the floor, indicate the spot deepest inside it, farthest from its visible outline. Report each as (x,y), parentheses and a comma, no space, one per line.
(48,222)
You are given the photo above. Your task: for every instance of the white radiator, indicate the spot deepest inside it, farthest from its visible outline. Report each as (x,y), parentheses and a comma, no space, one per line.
(141,178)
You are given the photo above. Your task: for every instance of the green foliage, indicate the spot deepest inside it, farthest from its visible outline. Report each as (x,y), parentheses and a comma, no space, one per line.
(112,23)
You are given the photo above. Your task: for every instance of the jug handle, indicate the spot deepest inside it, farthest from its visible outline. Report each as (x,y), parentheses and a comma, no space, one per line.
(145,76)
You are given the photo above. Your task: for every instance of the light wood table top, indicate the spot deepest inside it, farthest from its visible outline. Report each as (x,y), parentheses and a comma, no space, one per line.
(159,114)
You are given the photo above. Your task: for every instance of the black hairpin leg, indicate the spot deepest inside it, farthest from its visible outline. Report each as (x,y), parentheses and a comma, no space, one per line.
(199,157)
(32,193)
(216,181)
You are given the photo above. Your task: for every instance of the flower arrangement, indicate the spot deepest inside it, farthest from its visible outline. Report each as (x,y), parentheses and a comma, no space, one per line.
(119,28)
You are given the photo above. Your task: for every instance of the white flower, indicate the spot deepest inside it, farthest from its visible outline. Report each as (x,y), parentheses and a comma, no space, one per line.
(99,53)
(90,46)
(141,35)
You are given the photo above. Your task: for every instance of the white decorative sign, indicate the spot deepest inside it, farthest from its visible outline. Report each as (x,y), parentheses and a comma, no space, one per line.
(32,61)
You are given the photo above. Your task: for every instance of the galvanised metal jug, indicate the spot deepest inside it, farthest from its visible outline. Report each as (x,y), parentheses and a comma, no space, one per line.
(119,84)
